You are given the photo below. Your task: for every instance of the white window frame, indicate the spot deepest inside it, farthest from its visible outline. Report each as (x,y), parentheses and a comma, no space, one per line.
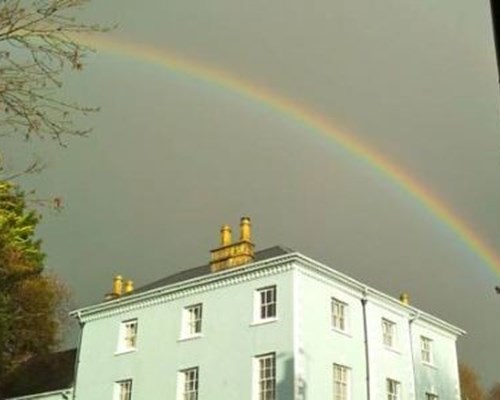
(264,376)
(341,382)
(389,333)
(393,389)
(431,396)
(192,320)
(127,340)
(339,314)
(123,390)
(266,304)
(188,384)
(426,349)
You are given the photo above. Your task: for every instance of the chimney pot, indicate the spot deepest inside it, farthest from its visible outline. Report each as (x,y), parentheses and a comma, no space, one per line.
(117,285)
(404,298)
(129,286)
(245,229)
(225,235)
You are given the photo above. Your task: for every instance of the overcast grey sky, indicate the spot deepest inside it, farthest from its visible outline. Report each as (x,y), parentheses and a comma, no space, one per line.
(171,159)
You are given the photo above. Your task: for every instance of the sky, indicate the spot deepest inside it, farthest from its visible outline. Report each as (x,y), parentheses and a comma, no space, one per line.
(173,156)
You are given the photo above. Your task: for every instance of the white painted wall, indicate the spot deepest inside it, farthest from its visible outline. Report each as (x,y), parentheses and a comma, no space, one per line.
(441,376)
(319,345)
(385,362)
(302,337)
(224,353)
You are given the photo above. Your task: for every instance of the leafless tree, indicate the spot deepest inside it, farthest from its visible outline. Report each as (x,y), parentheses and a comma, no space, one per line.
(37,44)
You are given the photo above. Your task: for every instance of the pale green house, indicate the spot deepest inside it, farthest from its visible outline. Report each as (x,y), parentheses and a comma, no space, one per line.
(266,325)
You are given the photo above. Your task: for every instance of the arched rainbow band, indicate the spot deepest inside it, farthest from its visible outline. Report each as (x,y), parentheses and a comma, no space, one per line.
(311,120)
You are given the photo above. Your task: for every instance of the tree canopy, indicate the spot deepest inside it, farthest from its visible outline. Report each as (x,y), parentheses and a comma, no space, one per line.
(470,387)
(30,299)
(494,393)
(38,46)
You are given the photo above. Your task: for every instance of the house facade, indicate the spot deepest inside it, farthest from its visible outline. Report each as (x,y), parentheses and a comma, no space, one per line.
(264,325)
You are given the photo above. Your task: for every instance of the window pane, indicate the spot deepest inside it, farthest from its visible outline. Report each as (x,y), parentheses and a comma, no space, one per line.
(340,382)
(128,335)
(426,349)
(190,384)
(124,389)
(338,310)
(267,302)
(388,332)
(192,323)
(272,310)
(393,389)
(266,385)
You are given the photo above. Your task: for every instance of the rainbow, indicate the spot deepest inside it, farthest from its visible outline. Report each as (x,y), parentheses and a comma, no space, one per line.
(313,121)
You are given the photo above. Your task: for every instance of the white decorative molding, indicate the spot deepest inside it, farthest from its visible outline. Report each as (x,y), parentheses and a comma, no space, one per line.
(64,393)
(189,287)
(252,271)
(378,297)
(331,280)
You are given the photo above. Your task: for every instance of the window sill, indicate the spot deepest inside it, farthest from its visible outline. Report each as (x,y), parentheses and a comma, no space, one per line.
(428,364)
(393,349)
(188,338)
(125,351)
(342,332)
(264,321)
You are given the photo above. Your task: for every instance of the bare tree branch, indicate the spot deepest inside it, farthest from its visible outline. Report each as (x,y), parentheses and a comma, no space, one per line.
(36,47)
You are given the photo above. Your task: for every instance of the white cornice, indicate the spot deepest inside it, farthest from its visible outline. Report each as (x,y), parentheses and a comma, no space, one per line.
(253,271)
(188,287)
(64,393)
(380,298)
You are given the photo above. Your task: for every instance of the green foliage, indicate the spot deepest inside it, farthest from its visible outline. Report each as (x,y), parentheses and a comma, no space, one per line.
(29,298)
(19,252)
(38,46)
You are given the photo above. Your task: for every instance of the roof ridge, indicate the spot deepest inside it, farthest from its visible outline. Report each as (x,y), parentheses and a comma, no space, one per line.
(186,274)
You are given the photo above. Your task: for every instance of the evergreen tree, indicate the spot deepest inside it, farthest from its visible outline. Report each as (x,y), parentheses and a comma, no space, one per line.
(30,299)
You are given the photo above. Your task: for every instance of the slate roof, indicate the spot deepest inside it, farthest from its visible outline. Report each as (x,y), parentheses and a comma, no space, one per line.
(40,374)
(196,272)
